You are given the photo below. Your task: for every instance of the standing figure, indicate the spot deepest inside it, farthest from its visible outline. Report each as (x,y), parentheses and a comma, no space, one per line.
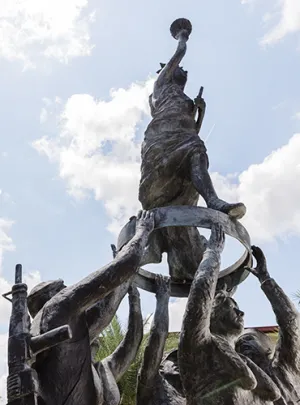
(281,363)
(159,379)
(65,372)
(174,168)
(212,372)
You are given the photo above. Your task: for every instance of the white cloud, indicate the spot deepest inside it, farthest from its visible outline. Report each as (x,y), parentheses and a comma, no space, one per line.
(6,243)
(98,151)
(271,192)
(282,20)
(3,367)
(176,312)
(34,29)
(98,148)
(43,116)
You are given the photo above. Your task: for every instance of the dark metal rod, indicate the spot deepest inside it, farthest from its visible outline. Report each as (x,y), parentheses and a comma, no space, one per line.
(18,274)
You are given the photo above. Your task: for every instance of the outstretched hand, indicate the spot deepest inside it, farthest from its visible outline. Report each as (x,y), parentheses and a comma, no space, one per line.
(144,222)
(217,238)
(162,286)
(261,270)
(200,103)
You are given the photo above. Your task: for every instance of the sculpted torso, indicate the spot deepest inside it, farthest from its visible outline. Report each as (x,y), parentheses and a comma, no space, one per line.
(169,101)
(72,382)
(216,380)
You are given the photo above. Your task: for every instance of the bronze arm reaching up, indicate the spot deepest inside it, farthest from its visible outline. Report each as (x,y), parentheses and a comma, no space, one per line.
(159,380)
(281,363)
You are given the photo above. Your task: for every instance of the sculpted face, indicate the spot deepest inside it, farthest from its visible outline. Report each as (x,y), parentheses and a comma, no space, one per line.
(170,371)
(180,77)
(255,345)
(227,318)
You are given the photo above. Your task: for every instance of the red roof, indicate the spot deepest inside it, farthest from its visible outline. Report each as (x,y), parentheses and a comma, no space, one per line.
(265,329)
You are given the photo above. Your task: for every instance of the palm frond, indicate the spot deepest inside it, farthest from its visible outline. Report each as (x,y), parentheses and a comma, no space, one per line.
(110,339)
(296,296)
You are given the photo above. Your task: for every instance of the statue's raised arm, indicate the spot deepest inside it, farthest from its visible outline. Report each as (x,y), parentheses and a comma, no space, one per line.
(180,29)
(282,363)
(77,298)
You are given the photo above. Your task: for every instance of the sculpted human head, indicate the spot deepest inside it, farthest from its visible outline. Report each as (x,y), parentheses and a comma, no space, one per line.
(169,369)
(256,345)
(226,318)
(42,293)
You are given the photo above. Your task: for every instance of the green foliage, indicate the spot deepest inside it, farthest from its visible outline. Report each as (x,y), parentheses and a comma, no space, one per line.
(297,296)
(110,339)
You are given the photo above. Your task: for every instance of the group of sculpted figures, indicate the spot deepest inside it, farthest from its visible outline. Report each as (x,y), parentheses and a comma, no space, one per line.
(217,361)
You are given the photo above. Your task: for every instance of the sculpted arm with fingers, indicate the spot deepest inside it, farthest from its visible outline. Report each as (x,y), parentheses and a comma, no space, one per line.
(287,316)
(196,321)
(158,334)
(99,316)
(78,298)
(122,357)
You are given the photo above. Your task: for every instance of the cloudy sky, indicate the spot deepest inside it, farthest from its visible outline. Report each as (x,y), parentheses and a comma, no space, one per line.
(75,79)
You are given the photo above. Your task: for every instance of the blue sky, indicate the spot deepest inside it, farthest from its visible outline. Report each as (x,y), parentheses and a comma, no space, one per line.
(75,77)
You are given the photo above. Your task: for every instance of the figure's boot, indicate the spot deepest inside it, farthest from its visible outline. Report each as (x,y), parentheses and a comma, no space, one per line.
(236,211)
(203,184)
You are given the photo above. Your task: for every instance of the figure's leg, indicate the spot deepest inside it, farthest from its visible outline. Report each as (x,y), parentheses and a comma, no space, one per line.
(203,184)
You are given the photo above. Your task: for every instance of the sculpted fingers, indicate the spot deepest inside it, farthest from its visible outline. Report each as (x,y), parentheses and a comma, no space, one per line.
(217,238)
(145,221)
(162,285)
(214,231)
(259,256)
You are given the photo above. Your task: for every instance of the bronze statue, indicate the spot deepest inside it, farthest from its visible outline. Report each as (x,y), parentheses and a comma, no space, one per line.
(159,379)
(281,363)
(22,380)
(65,372)
(212,372)
(174,168)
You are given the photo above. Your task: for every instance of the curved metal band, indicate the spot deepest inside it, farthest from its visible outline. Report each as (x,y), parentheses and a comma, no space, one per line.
(199,217)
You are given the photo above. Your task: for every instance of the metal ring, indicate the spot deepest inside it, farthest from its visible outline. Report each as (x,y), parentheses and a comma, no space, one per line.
(198,217)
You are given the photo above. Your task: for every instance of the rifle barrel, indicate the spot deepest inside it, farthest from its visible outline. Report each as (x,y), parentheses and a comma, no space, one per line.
(18,274)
